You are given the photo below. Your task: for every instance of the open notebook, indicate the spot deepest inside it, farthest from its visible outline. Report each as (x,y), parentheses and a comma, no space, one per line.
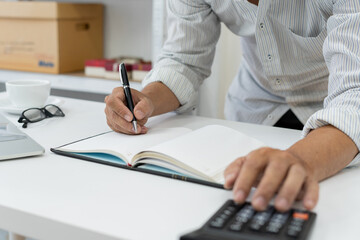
(198,156)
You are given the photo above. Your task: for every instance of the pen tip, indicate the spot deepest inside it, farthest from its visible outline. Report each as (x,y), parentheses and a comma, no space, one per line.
(135,126)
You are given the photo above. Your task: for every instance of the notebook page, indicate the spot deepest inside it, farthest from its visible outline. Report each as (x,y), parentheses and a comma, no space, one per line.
(126,145)
(209,149)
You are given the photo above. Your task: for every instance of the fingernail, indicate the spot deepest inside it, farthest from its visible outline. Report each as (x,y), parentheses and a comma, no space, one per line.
(128,117)
(259,202)
(283,203)
(239,196)
(309,204)
(140,114)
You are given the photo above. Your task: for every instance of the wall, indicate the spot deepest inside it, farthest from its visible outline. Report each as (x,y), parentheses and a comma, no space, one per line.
(226,63)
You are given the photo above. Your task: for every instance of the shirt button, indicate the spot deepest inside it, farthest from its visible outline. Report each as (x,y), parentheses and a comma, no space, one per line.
(269,57)
(278,81)
(270,116)
(262,25)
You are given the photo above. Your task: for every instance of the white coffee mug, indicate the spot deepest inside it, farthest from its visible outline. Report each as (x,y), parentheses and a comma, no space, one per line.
(28,93)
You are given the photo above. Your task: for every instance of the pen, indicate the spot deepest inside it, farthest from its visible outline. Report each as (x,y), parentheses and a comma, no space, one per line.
(128,97)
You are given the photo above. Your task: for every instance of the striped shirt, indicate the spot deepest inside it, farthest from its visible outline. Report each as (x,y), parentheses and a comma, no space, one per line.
(302,55)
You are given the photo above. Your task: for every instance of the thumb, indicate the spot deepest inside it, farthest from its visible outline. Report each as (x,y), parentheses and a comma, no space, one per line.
(143,109)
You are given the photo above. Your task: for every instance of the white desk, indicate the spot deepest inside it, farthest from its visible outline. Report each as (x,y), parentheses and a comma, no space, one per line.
(54,197)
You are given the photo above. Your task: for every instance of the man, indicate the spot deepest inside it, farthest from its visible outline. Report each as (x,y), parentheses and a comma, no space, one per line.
(301,62)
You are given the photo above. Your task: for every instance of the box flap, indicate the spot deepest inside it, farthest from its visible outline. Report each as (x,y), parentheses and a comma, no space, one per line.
(49,10)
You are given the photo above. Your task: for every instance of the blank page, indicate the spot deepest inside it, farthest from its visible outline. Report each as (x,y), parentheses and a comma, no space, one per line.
(209,149)
(126,145)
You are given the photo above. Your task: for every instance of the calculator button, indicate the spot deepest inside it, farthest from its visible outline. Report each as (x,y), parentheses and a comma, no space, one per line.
(272,229)
(301,215)
(255,226)
(229,212)
(222,218)
(297,222)
(236,226)
(293,233)
(277,221)
(245,214)
(217,223)
(295,228)
(261,218)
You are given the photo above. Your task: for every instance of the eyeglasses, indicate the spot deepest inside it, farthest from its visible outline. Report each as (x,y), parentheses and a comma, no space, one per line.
(32,115)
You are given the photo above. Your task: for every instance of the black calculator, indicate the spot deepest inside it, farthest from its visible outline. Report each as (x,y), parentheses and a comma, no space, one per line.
(243,222)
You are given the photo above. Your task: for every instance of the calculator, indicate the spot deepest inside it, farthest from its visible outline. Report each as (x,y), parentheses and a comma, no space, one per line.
(243,222)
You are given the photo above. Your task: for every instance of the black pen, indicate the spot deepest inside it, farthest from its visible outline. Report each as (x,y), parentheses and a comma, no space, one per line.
(128,97)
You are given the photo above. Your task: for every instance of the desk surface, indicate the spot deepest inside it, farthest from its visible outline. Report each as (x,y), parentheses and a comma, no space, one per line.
(54,197)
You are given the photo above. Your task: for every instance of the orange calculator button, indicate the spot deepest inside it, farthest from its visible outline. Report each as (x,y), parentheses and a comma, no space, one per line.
(301,215)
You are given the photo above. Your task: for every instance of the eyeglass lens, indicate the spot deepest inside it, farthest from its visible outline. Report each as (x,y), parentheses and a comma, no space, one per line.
(54,110)
(34,115)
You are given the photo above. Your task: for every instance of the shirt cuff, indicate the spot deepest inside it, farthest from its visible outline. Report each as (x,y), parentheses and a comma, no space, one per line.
(348,121)
(178,84)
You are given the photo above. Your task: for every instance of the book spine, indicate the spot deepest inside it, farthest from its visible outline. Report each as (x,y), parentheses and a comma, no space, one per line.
(123,166)
(181,178)
(81,157)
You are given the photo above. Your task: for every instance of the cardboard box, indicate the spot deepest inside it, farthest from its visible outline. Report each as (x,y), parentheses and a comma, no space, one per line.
(49,37)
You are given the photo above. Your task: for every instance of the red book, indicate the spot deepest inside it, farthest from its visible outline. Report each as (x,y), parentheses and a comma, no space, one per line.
(114,67)
(96,67)
(112,70)
(98,62)
(146,66)
(139,71)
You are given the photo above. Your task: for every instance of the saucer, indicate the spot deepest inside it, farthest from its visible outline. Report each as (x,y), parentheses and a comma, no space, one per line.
(7,106)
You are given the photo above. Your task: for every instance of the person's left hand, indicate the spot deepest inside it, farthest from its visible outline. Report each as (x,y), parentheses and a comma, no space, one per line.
(273,171)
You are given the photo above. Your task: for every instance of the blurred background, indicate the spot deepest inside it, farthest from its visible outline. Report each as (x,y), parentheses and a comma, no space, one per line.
(134,29)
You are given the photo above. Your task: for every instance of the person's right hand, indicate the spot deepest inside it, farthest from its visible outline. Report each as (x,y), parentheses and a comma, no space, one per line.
(119,116)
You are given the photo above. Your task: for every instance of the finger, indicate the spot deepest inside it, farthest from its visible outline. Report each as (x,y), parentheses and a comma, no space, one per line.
(301,194)
(142,122)
(258,179)
(117,93)
(291,187)
(249,172)
(117,123)
(144,130)
(143,109)
(311,195)
(274,175)
(116,103)
(119,128)
(232,171)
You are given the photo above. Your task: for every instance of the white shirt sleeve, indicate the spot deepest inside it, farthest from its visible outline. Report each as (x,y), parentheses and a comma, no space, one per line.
(342,55)
(188,53)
